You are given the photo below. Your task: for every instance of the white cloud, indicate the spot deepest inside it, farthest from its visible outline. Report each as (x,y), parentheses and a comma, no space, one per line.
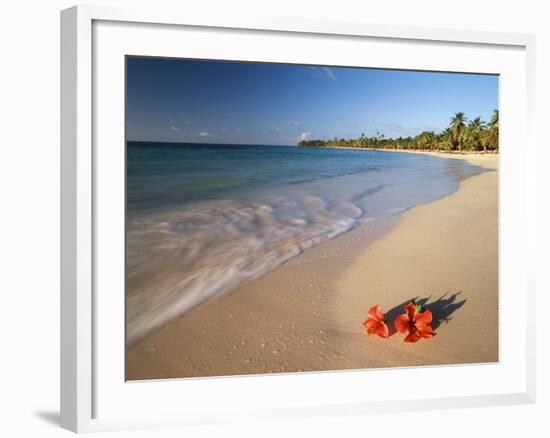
(276,128)
(323,72)
(296,123)
(204,134)
(304,136)
(329,73)
(187,122)
(174,128)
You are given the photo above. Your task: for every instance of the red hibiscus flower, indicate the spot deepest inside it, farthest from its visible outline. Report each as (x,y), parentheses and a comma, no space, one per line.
(414,323)
(375,324)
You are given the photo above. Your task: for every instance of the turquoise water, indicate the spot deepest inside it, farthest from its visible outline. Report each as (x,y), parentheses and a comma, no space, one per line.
(202,219)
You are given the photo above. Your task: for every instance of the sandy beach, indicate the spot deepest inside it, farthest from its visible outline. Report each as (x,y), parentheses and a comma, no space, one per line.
(306,315)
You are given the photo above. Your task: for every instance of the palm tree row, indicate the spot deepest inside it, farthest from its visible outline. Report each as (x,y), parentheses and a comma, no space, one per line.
(460,135)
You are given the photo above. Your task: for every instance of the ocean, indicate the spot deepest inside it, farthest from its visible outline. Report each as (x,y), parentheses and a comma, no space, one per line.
(204,218)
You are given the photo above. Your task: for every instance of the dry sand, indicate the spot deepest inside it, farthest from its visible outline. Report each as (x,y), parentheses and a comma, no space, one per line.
(307,314)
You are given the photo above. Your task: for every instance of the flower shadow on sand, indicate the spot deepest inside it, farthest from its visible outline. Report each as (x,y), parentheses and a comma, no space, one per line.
(442,309)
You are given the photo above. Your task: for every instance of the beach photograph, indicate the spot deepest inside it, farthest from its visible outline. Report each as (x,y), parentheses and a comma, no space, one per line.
(287,218)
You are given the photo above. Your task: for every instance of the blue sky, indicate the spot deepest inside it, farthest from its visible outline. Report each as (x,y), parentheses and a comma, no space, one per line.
(177,100)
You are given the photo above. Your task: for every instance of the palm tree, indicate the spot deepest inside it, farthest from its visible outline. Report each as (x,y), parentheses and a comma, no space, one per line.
(475,127)
(458,122)
(492,134)
(494,119)
(426,140)
(478,123)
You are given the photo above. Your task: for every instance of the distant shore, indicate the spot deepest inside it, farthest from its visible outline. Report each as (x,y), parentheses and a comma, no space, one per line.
(437,152)
(306,315)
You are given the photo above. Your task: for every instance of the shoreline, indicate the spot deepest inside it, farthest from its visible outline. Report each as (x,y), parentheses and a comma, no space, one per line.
(306,315)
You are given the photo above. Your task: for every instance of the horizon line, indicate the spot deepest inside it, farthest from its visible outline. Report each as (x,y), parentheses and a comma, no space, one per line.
(214,143)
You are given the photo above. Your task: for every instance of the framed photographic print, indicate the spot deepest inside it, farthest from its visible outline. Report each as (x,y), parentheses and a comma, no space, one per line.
(257,208)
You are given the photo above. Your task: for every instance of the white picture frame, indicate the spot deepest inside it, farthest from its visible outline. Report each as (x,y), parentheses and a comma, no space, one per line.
(92,394)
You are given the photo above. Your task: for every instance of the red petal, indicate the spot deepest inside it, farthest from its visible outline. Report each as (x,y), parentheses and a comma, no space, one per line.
(426,331)
(401,323)
(372,326)
(411,311)
(383,331)
(375,312)
(369,323)
(376,328)
(413,336)
(424,317)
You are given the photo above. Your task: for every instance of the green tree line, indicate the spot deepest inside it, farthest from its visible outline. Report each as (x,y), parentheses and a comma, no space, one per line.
(461,135)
